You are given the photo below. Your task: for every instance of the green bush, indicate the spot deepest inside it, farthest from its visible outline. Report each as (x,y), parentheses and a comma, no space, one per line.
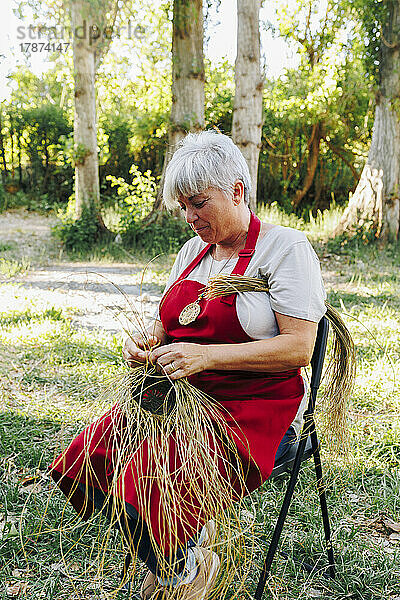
(78,235)
(135,200)
(351,242)
(41,203)
(163,236)
(16,200)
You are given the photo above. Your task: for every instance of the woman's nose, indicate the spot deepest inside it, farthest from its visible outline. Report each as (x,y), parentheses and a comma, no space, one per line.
(190,215)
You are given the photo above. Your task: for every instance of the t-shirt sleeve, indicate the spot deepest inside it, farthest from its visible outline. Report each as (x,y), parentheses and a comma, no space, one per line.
(295,282)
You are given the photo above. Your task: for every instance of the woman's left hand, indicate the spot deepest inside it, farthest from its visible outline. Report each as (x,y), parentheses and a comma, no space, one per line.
(180,359)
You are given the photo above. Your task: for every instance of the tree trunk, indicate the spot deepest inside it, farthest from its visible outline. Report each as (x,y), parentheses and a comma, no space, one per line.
(187,109)
(12,145)
(19,156)
(312,162)
(3,154)
(87,188)
(375,204)
(249,84)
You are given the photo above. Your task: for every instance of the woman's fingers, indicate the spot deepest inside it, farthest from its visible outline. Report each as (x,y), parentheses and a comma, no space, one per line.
(175,360)
(178,359)
(162,357)
(137,348)
(133,350)
(164,354)
(152,340)
(138,341)
(145,342)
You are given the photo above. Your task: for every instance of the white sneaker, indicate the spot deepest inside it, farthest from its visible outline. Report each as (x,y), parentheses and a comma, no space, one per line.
(201,586)
(207,535)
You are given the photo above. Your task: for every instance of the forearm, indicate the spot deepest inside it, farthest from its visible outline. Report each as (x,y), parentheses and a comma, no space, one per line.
(281,353)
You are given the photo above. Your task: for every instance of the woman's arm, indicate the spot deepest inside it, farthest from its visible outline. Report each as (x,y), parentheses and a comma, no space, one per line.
(291,349)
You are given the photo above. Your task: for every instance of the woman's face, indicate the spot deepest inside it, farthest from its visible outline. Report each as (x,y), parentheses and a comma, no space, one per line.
(211,215)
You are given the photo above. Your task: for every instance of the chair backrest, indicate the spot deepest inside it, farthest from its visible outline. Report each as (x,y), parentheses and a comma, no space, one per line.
(317,361)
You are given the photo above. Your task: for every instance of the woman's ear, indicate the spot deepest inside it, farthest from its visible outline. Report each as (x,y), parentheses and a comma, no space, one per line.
(238,192)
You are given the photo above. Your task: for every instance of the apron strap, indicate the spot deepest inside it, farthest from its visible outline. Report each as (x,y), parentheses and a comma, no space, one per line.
(188,269)
(194,263)
(245,254)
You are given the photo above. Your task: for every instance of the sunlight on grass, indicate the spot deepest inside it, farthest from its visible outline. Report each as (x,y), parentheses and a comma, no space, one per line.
(319,227)
(32,333)
(11,268)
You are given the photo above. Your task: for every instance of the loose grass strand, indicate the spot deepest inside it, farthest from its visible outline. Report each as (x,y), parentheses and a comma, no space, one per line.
(339,379)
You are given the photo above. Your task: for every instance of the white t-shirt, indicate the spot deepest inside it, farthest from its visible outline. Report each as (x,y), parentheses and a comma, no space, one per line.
(283,256)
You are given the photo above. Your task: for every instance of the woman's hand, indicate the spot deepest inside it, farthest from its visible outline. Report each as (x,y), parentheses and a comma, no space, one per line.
(136,348)
(180,359)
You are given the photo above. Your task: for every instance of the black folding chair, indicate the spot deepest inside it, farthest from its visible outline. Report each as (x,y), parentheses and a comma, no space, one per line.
(307,446)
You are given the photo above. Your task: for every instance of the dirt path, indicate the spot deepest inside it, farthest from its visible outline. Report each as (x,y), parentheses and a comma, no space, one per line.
(91,289)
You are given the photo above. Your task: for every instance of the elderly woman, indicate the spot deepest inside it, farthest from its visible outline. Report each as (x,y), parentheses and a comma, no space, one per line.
(245,350)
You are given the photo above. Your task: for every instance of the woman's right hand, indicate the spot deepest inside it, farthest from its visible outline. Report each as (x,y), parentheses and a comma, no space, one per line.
(136,348)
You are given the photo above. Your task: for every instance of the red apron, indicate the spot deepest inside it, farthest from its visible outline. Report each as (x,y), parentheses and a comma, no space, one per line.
(259,406)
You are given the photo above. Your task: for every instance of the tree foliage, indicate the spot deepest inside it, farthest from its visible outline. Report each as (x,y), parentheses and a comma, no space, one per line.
(372,15)
(330,91)
(320,105)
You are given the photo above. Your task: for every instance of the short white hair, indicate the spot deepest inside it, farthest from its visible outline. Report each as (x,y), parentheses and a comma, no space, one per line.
(205,160)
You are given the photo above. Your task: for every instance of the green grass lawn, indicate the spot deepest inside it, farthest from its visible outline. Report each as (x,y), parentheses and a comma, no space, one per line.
(50,375)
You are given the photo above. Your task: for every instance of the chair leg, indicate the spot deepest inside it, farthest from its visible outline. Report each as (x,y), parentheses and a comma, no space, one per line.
(322,500)
(125,568)
(281,519)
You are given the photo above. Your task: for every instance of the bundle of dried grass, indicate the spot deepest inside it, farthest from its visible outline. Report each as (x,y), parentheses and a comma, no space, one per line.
(148,411)
(341,369)
(339,380)
(154,410)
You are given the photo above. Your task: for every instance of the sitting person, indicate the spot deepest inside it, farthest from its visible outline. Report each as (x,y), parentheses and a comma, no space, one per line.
(246,350)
